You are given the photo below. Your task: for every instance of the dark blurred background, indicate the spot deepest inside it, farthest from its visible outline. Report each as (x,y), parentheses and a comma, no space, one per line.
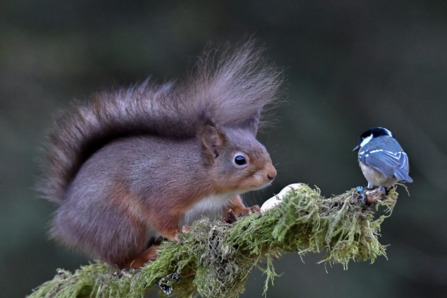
(349,65)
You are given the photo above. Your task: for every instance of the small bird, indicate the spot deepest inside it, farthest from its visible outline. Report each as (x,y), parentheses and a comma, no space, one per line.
(382,160)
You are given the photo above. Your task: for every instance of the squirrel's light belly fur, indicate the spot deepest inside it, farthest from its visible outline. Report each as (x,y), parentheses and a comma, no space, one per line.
(210,207)
(140,162)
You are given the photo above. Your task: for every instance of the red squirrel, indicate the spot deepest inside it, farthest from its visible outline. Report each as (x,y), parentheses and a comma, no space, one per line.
(136,164)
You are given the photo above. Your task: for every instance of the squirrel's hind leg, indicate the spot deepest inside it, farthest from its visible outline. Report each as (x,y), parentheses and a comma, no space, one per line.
(139,260)
(149,254)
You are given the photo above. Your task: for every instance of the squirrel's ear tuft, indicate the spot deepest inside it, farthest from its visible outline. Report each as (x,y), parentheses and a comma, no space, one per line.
(212,140)
(252,123)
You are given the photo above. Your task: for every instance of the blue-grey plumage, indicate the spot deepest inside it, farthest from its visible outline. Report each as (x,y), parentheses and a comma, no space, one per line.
(382,159)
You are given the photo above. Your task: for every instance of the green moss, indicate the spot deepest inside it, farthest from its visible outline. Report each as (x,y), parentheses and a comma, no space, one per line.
(216,258)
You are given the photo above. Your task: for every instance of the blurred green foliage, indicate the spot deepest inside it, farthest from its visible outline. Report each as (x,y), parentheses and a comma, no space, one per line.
(349,65)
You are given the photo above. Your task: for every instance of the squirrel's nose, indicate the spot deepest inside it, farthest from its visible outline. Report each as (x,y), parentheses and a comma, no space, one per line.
(271,174)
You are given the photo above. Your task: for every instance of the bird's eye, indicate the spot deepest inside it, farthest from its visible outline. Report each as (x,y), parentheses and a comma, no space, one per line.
(240,160)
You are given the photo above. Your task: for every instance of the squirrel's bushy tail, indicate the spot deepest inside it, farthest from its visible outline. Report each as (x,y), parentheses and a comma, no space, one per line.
(231,90)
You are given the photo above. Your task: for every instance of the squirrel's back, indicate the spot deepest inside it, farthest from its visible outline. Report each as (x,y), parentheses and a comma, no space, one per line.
(230,90)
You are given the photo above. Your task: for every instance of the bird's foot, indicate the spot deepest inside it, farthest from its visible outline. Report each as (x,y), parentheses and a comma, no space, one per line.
(362,192)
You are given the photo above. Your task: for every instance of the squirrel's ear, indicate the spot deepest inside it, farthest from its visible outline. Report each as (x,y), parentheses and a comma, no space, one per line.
(252,123)
(212,140)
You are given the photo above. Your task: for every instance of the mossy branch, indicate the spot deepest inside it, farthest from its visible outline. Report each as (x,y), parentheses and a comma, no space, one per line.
(215,258)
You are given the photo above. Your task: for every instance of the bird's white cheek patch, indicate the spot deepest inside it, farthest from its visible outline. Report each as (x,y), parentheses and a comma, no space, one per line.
(366,140)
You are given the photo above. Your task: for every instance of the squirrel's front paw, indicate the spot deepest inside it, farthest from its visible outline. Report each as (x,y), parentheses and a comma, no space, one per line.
(246,211)
(255,209)
(185,229)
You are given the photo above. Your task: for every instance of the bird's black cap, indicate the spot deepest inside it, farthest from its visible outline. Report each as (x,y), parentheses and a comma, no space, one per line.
(374,132)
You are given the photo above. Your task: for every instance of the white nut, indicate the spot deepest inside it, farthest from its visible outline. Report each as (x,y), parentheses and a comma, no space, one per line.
(275,200)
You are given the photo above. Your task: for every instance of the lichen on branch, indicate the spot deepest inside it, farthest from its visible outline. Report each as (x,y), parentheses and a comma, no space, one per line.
(216,258)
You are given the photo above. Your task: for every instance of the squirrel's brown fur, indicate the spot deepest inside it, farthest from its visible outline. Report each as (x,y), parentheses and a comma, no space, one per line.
(132,163)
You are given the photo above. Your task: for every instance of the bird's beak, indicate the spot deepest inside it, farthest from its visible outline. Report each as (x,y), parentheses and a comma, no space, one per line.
(356,148)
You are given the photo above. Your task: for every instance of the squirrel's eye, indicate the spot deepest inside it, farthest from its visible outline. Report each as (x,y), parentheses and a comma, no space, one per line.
(240,160)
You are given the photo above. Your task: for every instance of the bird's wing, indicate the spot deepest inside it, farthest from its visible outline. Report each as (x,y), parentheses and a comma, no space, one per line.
(385,161)
(401,172)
